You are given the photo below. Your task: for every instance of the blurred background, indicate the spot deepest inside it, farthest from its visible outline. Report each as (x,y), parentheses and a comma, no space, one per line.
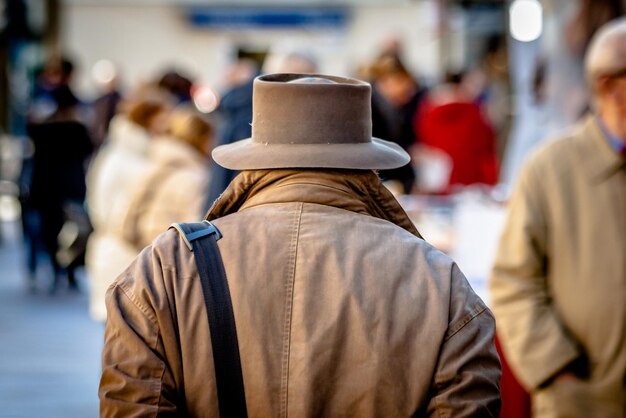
(497,76)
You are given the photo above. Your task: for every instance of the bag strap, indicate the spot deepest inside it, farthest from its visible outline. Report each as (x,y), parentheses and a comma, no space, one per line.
(201,238)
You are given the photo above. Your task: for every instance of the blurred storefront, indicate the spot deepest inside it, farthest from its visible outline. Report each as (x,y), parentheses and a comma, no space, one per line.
(201,38)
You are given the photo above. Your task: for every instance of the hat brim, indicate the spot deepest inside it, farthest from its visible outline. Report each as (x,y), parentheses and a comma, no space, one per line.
(248,155)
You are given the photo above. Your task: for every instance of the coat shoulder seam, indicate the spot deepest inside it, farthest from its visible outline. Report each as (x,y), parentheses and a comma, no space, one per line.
(459,325)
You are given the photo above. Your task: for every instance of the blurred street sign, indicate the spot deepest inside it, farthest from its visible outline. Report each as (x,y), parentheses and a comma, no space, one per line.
(242,3)
(268,17)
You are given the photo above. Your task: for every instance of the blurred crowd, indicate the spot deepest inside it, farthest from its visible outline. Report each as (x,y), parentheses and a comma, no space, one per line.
(105,177)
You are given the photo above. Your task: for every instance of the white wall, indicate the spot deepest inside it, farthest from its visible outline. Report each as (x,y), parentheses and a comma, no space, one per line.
(142,40)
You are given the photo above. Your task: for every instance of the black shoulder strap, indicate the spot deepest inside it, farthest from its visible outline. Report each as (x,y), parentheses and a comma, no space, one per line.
(201,238)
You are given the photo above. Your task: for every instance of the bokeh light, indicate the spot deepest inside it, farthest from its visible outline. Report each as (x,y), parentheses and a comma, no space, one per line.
(526,20)
(205,98)
(103,71)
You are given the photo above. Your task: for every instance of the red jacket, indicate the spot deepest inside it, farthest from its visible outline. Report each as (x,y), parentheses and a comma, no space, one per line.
(460,130)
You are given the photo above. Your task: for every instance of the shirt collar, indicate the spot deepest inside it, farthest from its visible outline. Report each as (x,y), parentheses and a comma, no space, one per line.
(614,141)
(598,154)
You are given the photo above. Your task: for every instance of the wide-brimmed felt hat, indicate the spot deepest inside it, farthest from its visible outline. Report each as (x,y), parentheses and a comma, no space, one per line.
(311,121)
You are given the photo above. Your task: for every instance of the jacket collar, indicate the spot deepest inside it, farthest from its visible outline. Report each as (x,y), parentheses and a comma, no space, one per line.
(598,156)
(355,191)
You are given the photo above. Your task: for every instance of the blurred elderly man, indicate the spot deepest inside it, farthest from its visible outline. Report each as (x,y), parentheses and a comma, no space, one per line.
(559,280)
(341,309)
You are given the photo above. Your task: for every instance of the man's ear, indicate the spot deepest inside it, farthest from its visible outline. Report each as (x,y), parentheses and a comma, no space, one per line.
(604,87)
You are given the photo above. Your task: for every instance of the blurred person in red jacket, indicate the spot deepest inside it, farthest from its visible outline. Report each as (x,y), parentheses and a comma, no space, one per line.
(453,127)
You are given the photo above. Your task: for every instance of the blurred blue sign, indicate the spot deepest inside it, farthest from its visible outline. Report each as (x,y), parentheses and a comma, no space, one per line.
(272,17)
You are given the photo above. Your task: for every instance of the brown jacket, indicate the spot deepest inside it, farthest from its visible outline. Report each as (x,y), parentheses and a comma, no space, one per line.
(559,281)
(339,311)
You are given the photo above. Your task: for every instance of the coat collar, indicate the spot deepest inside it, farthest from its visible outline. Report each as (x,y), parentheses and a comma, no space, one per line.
(356,191)
(598,156)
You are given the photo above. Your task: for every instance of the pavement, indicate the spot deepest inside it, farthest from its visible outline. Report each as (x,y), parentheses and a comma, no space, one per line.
(49,347)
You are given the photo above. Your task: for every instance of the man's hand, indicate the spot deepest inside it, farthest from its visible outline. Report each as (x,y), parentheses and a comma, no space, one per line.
(576,370)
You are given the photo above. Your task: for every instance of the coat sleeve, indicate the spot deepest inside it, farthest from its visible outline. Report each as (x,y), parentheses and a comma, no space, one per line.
(467,378)
(535,342)
(136,379)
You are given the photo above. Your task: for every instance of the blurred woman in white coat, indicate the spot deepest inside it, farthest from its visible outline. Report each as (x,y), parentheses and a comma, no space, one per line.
(111,179)
(174,188)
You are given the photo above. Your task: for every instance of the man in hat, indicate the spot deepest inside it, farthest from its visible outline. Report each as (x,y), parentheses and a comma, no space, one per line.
(559,279)
(341,308)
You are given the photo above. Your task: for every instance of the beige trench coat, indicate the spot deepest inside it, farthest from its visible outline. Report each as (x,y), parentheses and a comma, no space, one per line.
(559,281)
(112,178)
(338,313)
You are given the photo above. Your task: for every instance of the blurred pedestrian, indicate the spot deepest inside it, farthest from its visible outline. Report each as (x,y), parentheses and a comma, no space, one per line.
(292,58)
(174,187)
(403,92)
(452,123)
(559,277)
(56,72)
(111,180)
(104,108)
(236,105)
(177,85)
(489,86)
(235,111)
(341,308)
(61,148)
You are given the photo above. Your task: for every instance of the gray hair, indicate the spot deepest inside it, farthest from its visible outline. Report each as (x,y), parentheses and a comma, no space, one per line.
(290,58)
(607,52)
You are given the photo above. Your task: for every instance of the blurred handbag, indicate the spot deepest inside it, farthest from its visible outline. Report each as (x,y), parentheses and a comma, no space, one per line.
(73,236)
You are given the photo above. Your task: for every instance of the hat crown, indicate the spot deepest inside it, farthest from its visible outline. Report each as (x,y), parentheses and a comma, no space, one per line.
(312,80)
(311,109)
